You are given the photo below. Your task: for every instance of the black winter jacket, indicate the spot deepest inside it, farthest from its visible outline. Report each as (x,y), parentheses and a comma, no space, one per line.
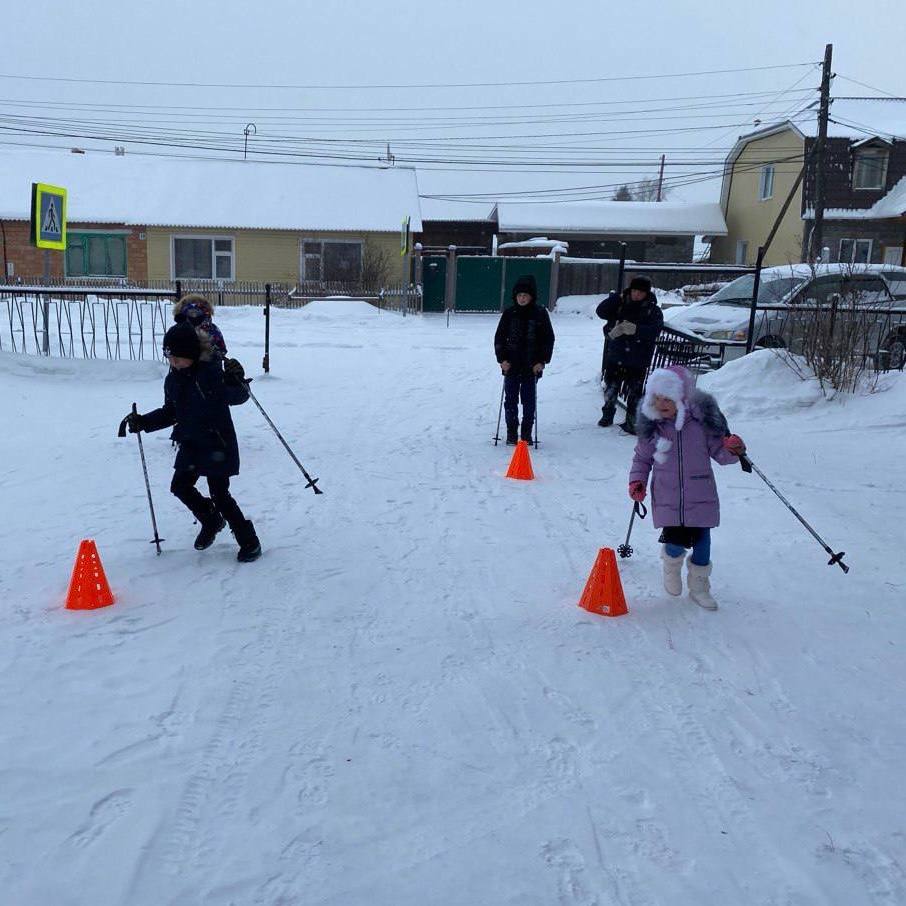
(197,401)
(524,337)
(637,350)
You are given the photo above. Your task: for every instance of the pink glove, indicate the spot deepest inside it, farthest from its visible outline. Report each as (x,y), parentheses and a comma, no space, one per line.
(637,490)
(734,444)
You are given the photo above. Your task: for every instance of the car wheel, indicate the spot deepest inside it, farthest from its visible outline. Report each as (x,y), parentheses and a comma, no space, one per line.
(770,343)
(893,357)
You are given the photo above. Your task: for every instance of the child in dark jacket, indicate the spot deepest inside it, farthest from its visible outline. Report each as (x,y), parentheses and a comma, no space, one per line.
(680,430)
(198,392)
(523,344)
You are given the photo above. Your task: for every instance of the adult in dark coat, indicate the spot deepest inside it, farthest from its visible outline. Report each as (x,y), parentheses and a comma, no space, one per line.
(198,391)
(634,321)
(523,344)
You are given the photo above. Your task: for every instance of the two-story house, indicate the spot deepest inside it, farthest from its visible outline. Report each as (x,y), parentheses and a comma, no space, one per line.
(865,186)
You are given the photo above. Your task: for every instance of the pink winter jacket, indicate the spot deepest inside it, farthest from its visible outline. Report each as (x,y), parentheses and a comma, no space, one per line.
(683,490)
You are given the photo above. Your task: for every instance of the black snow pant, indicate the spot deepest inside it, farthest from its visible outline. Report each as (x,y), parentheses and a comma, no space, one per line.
(631,381)
(183,488)
(516,386)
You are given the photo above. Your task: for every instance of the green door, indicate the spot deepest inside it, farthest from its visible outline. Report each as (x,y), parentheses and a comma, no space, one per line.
(434,283)
(478,283)
(539,268)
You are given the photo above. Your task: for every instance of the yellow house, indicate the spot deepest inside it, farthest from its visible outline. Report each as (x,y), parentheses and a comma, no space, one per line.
(759,174)
(230,221)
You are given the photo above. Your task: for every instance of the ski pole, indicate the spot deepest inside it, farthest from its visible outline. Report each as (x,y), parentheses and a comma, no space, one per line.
(834,558)
(499,411)
(312,482)
(156,540)
(624,550)
(536,412)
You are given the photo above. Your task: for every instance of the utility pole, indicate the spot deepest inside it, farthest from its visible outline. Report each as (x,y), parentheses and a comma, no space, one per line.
(817,241)
(660,179)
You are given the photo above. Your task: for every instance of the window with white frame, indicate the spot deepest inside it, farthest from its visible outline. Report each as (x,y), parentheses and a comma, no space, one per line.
(203,257)
(331,261)
(742,251)
(766,183)
(870,167)
(855,251)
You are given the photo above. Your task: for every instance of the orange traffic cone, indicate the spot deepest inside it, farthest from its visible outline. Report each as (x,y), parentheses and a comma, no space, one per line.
(521,463)
(88,588)
(603,591)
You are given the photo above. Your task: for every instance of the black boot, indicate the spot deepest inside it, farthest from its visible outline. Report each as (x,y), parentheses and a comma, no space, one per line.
(607,414)
(628,426)
(211,523)
(249,545)
(512,430)
(526,434)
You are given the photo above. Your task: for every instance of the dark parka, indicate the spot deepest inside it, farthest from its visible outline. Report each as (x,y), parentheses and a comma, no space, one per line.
(524,335)
(637,350)
(196,402)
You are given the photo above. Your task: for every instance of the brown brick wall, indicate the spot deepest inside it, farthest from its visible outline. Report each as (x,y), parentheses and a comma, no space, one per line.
(28,262)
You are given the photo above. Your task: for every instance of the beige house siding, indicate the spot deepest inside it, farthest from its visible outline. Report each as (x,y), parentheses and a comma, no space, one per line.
(262,255)
(750,219)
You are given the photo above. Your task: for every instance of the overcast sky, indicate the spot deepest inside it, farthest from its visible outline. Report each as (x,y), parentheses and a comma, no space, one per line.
(615,85)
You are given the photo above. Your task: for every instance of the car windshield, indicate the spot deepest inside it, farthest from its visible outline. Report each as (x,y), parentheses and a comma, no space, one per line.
(770,292)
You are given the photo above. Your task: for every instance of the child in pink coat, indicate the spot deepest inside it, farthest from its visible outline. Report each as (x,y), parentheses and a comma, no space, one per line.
(680,430)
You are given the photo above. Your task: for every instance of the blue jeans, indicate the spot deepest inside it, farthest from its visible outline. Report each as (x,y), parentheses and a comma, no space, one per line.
(701,550)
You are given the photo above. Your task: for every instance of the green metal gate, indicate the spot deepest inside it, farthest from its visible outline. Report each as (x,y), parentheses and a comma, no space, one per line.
(434,283)
(479,282)
(486,283)
(539,268)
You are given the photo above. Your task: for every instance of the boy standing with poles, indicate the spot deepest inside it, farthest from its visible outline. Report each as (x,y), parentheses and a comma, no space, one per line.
(523,344)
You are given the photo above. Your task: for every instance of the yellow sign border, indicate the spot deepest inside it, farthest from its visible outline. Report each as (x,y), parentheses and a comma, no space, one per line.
(42,189)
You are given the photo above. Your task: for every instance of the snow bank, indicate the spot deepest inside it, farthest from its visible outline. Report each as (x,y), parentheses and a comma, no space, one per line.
(761,383)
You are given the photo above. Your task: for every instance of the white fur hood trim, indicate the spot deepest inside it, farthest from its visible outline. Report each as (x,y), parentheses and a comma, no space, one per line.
(661,447)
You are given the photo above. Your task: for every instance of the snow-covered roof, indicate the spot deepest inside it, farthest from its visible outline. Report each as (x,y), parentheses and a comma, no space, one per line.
(193,192)
(662,218)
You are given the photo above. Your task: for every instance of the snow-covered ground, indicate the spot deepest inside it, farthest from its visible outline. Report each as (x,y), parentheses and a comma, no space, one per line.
(401,702)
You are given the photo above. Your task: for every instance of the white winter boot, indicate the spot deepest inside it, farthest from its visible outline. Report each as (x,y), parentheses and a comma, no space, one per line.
(700,585)
(673,572)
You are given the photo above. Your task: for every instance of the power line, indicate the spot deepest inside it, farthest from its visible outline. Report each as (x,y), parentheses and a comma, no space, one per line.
(260,86)
(863,85)
(257,110)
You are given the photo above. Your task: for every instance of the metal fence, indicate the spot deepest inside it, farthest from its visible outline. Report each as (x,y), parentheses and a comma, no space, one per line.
(582,277)
(86,322)
(872,338)
(221,293)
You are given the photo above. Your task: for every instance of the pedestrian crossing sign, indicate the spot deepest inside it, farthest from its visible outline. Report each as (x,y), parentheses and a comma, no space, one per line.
(48,216)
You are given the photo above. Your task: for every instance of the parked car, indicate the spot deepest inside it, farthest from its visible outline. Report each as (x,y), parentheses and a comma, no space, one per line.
(788,295)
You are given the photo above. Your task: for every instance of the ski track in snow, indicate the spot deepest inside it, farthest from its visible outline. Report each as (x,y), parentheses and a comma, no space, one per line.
(401,703)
